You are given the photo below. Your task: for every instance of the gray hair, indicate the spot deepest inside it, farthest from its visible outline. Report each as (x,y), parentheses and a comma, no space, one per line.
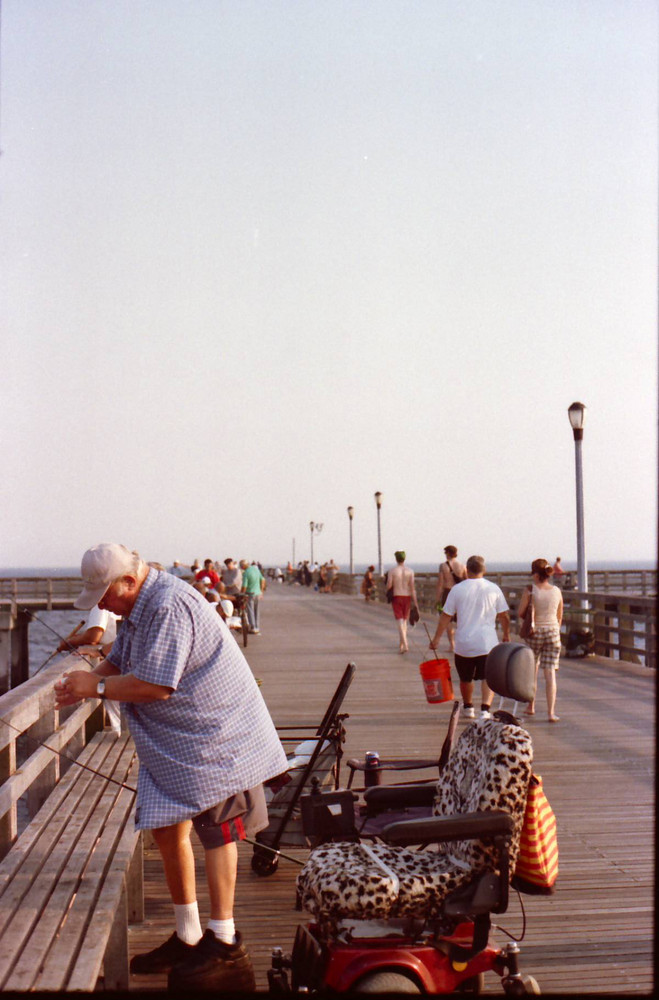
(136,566)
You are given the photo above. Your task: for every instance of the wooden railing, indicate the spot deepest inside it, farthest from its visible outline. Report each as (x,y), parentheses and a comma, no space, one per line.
(28,719)
(45,589)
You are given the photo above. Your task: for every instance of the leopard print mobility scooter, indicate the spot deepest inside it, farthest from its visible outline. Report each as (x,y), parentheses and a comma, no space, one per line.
(388,918)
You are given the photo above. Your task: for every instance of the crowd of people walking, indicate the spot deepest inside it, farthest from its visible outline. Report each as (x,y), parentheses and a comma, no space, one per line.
(475,616)
(321,576)
(472,610)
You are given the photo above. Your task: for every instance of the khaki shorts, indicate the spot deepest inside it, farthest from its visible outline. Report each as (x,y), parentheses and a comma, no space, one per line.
(240,816)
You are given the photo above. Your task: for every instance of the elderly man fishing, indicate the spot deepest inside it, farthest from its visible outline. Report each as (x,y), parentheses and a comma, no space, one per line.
(205,742)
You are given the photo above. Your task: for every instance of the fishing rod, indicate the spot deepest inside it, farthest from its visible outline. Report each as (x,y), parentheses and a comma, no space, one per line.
(273,850)
(56,651)
(46,746)
(73,649)
(86,767)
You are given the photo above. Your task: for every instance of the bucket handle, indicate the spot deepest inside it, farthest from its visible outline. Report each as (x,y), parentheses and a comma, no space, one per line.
(429,641)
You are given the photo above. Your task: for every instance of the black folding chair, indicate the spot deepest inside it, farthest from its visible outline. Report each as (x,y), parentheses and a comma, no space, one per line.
(321,764)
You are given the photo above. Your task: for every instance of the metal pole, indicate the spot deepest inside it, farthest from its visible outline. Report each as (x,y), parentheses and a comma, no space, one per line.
(379,545)
(352,565)
(351,512)
(582,568)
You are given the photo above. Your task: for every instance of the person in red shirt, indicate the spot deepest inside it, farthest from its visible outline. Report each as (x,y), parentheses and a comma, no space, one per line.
(208,571)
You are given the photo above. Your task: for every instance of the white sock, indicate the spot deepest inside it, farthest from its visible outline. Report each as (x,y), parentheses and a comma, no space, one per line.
(188,925)
(224,930)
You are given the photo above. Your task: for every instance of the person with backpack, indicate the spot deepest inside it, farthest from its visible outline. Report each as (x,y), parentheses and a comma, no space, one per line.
(450,573)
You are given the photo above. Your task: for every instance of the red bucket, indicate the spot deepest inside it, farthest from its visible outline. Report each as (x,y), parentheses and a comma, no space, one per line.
(436,677)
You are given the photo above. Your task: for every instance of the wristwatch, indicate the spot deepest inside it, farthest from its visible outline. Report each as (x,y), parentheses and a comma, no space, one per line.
(100,688)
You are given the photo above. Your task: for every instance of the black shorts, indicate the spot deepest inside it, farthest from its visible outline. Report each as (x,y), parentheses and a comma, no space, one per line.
(470,668)
(241,815)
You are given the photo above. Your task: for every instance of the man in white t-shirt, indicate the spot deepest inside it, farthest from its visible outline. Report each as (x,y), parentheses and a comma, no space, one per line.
(100,630)
(479,605)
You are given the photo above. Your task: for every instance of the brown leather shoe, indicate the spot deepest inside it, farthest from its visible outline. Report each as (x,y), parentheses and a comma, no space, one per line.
(163,958)
(214,965)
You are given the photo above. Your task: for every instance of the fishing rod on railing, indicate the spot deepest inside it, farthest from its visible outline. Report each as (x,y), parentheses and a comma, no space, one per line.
(46,746)
(74,649)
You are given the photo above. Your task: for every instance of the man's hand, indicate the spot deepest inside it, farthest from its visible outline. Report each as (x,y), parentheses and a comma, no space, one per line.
(504,619)
(75,686)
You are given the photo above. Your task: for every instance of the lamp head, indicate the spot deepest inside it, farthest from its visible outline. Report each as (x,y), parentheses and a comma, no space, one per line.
(577,416)
(351,511)
(378,500)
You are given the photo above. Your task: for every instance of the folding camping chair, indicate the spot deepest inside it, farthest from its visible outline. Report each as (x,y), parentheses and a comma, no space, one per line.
(317,757)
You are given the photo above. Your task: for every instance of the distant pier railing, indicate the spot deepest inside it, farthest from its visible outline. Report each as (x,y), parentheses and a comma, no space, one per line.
(50,591)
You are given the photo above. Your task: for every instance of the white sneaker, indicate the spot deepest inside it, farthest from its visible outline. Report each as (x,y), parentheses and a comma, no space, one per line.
(484,714)
(468,713)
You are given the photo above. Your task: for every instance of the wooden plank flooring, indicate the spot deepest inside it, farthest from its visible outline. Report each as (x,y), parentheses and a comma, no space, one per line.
(595,934)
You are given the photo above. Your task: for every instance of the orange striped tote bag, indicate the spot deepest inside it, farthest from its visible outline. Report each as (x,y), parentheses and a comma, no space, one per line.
(537,864)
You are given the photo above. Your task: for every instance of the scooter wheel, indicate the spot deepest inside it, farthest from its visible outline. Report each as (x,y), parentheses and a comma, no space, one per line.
(264,863)
(385,982)
(520,986)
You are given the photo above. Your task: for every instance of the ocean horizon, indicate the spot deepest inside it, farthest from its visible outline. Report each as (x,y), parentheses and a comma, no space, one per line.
(360,567)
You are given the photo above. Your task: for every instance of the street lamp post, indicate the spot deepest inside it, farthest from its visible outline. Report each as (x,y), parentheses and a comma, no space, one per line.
(576,413)
(378,504)
(314,528)
(351,512)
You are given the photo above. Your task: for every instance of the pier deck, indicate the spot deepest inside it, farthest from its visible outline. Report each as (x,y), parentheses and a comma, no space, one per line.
(595,934)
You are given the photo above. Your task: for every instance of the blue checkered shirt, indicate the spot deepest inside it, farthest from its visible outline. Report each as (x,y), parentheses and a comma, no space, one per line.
(214,736)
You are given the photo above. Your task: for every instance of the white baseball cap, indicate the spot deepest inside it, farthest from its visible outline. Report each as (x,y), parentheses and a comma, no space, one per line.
(100,567)
(227,607)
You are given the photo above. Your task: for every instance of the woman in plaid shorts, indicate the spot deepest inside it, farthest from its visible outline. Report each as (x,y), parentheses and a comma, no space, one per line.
(546,639)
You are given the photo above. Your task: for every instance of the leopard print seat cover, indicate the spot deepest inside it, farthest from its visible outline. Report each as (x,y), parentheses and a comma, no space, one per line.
(490,768)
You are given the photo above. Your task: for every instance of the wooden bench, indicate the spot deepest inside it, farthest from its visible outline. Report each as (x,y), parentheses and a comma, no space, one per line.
(72,880)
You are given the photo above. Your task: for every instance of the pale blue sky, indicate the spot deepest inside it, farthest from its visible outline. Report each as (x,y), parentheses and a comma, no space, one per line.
(262,259)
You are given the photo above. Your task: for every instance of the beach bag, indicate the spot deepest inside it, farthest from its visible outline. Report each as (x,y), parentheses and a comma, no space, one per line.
(537,863)
(390,595)
(526,628)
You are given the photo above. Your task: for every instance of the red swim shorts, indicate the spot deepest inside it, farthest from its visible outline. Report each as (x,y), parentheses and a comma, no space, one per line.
(401,606)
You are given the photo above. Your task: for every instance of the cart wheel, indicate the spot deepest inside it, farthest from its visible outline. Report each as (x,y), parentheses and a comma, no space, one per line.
(264,862)
(245,628)
(386,982)
(520,986)
(473,985)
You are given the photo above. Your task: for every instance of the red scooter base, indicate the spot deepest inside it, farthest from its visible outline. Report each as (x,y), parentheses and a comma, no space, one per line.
(394,965)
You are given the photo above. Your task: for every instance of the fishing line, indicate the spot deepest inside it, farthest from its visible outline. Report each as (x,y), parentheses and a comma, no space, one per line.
(60,753)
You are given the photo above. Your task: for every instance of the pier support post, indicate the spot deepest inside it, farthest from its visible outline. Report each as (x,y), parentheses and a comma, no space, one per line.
(5,650)
(14,649)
